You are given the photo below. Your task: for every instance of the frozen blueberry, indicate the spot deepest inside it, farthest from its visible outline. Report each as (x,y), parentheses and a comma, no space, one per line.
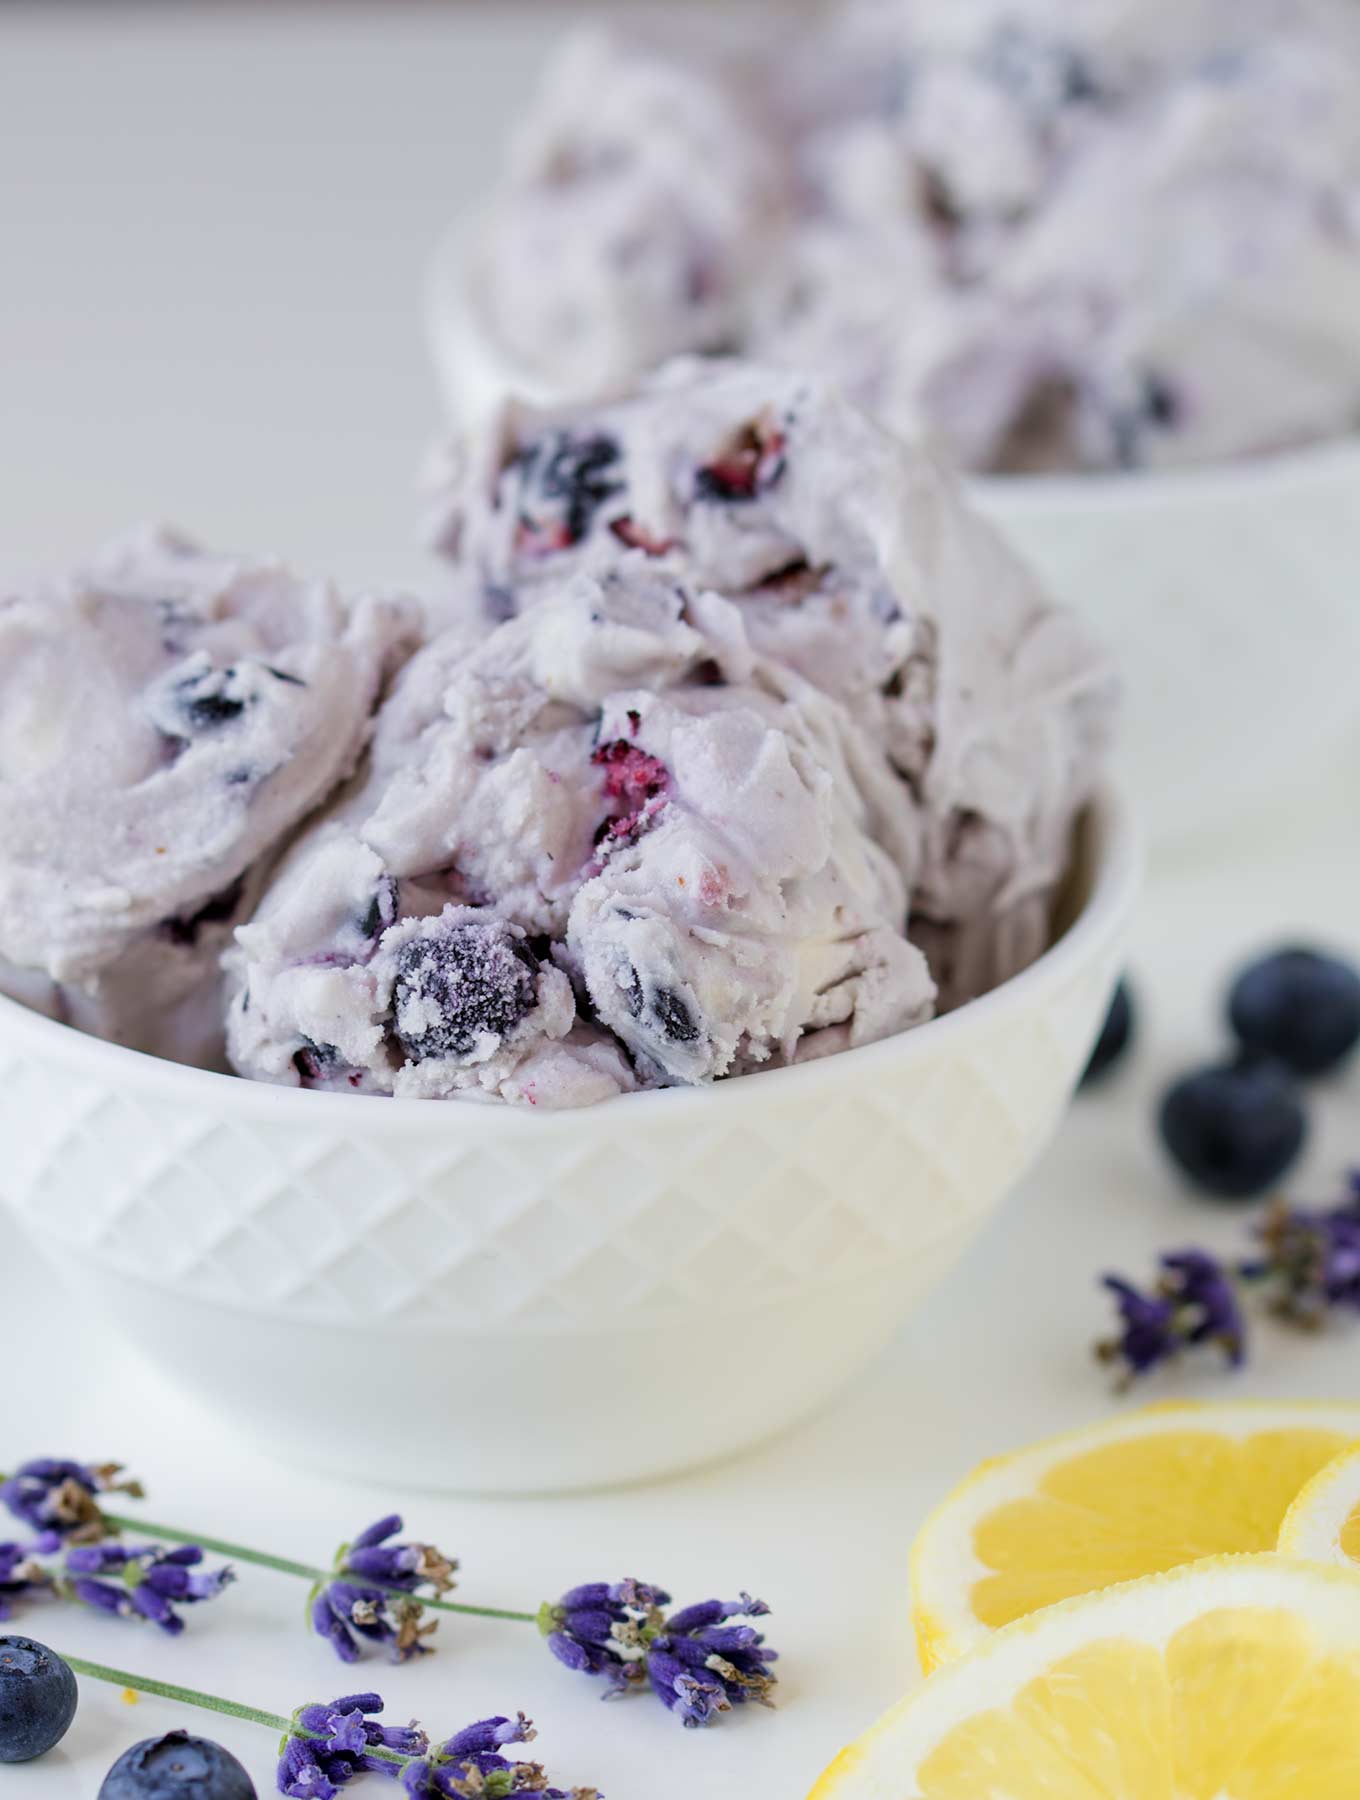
(1116,1034)
(177,1767)
(666,1009)
(1234,1128)
(1300,1006)
(457,985)
(216,911)
(37,1699)
(207,700)
(1156,406)
(674,1017)
(576,475)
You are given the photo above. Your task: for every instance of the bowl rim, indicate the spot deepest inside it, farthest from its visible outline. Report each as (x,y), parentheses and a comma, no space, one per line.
(1116,856)
(450,305)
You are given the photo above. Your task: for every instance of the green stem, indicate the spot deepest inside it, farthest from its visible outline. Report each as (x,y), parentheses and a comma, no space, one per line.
(219,1546)
(165,1690)
(254,1715)
(303,1571)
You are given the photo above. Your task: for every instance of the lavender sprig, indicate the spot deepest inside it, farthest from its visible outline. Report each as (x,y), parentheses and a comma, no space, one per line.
(1310,1261)
(1307,1268)
(470,1767)
(51,1495)
(326,1746)
(698,1663)
(379,1607)
(151,1581)
(1193,1304)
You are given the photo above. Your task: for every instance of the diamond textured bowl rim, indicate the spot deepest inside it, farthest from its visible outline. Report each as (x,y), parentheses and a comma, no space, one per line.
(1115,856)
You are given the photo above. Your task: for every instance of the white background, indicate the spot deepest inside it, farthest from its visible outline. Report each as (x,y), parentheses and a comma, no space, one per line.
(213,229)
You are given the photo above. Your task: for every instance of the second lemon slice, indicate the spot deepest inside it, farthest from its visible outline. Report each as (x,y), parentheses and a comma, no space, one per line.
(1237,1679)
(1137,1495)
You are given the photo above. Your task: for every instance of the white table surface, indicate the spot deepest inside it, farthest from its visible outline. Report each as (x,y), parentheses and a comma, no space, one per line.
(213,225)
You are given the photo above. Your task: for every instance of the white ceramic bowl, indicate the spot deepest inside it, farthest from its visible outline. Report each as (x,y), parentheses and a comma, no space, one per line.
(505,1301)
(1229,595)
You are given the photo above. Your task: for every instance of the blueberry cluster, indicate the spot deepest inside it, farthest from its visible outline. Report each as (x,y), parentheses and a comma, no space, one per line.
(1234,1127)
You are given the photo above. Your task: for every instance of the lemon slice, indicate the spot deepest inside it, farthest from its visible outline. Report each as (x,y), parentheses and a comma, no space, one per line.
(1323,1524)
(1235,1679)
(1141,1493)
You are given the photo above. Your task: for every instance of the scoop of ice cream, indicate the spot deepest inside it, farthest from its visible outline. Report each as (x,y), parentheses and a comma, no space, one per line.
(851,562)
(1095,234)
(638,201)
(605,847)
(1141,220)
(166,718)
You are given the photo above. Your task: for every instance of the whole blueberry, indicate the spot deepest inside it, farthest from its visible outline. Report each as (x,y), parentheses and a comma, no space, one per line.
(1234,1128)
(1116,1034)
(37,1699)
(1300,1006)
(177,1767)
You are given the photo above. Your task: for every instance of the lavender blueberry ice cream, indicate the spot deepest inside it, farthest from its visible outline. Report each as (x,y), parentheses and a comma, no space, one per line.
(167,716)
(742,742)
(1106,234)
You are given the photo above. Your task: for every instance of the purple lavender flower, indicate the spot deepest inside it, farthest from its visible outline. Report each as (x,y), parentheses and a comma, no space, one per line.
(702,1664)
(699,1664)
(1204,1294)
(329,1745)
(1194,1303)
(370,1598)
(49,1494)
(20,1572)
(151,1581)
(1311,1260)
(349,1616)
(408,1566)
(470,1767)
(604,1630)
(1149,1335)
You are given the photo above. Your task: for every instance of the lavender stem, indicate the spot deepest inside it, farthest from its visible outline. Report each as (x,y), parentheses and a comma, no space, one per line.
(303,1571)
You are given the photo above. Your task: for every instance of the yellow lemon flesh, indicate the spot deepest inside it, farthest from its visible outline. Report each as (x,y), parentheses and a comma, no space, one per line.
(1138,1495)
(1237,1678)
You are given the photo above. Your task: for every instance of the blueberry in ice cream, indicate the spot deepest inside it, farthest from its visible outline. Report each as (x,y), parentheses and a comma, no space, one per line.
(848,561)
(606,846)
(167,717)
(1114,235)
